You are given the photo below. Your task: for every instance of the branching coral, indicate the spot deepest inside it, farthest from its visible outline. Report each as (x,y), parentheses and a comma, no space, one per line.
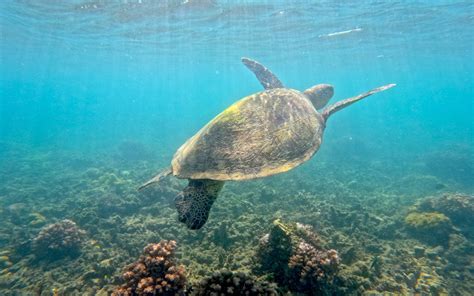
(155,273)
(60,239)
(312,270)
(228,283)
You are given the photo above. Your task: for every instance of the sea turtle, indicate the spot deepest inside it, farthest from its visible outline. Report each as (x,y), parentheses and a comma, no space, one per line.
(263,134)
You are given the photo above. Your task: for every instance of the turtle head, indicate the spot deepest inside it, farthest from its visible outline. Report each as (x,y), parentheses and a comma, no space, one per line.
(319,95)
(195,201)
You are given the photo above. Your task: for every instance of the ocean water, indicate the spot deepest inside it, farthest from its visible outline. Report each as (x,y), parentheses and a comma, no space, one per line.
(96,96)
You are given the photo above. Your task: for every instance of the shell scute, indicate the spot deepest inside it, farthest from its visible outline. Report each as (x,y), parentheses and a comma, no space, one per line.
(263,134)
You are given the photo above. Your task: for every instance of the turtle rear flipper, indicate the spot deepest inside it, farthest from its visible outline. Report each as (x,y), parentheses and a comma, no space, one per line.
(156,178)
(195,202)
(319,95)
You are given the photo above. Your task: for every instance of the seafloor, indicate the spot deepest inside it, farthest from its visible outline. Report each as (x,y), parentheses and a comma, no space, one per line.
(396,230)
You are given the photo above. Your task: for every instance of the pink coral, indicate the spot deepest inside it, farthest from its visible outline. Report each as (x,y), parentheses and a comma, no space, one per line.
(155,273)
(312,269)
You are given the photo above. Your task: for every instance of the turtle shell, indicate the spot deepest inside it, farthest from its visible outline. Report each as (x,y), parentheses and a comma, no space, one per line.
(266,133)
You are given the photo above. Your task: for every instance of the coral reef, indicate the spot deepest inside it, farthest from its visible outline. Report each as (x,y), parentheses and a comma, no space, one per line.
(4,260)
(228,283)
(155,273)
(57,240)
(359,210)
(292,254)
(428,284)
(312,270)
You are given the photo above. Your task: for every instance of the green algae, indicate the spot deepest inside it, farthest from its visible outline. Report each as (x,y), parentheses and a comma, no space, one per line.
(433,228)
(427,221)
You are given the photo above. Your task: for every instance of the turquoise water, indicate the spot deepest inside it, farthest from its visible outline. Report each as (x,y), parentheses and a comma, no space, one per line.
(89,72)
(81,79)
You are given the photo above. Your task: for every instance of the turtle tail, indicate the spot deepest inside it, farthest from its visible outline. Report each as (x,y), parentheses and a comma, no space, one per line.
(195,201)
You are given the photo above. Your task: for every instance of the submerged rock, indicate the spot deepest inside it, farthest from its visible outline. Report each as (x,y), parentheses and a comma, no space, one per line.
(58,240)
(459,208)
(430,227)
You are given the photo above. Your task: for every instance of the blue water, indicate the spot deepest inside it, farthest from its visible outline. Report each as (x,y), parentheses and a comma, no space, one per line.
(84,76)
(79,74)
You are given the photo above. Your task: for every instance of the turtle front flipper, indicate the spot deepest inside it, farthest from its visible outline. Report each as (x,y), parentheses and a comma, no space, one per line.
(195,202)
(267,79)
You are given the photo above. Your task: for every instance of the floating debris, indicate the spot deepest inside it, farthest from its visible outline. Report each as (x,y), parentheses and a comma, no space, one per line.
(340,33)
